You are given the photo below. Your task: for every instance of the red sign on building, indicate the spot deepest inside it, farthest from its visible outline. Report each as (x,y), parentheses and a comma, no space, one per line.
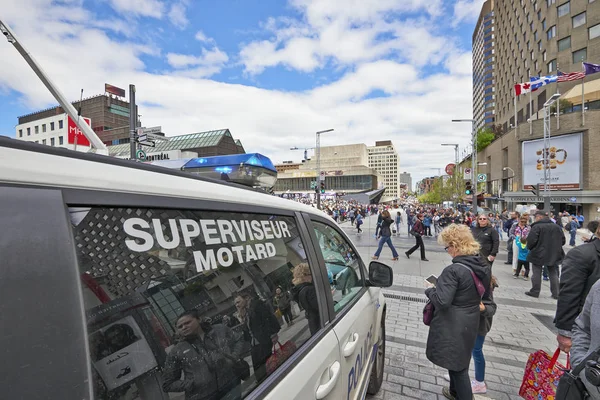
(75,132)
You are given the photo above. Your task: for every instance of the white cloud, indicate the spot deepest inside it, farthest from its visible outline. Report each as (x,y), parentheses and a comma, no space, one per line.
(349,33)
(466,10)
(177,15)
(144,8)
(415,112)
(201,37)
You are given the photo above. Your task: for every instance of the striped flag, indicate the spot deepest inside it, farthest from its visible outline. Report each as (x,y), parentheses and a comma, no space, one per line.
(573,76)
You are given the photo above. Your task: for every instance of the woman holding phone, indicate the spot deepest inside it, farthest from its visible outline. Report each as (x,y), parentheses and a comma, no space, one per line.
(456,300)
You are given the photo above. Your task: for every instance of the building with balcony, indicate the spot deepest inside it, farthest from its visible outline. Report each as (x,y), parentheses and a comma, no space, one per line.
(537,38)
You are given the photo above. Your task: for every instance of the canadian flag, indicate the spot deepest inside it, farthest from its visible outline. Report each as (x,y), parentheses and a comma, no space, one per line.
(521,88)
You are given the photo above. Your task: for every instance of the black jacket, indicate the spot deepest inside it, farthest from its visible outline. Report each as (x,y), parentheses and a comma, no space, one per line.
(262,323)
(205,369)
(580,270)
(305,294)
(456,316)
(385,227)
(487,316)
(545,241)
(488,239)
(418,227)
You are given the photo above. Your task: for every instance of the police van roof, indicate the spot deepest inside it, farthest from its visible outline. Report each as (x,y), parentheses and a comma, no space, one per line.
(25,163)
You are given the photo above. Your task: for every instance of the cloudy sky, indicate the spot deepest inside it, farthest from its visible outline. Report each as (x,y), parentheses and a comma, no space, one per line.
(272,71)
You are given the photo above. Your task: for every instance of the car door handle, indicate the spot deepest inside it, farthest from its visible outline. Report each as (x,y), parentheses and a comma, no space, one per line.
(351,345)
(326,388)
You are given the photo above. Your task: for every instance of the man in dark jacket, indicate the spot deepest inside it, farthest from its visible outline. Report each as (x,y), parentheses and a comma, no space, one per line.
(580,270)
(544,241)
(206,360)
(514,219)
(487,237)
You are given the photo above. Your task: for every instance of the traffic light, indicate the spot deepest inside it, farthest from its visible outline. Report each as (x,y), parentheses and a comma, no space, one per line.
(536,189)
(322,187)
(468,187)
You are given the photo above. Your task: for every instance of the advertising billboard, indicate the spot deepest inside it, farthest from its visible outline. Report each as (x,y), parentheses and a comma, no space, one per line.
(114,90)
(562,159)
(75,132)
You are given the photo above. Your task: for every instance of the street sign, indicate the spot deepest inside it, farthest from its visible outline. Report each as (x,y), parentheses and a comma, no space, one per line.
(467,174)
(152,130)
(322,177)
(140,155)
(481,178)
(142,138)
(450,169)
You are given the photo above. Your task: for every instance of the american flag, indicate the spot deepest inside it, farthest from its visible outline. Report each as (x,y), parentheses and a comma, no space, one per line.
(573,76)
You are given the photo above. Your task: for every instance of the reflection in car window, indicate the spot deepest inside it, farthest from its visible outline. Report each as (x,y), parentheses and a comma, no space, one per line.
(190,304)
(343,265)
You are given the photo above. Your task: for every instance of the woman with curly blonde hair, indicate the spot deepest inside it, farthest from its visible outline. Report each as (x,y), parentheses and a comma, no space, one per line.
(456,301)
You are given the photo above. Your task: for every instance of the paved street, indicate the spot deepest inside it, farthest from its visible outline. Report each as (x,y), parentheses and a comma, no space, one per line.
(522,324)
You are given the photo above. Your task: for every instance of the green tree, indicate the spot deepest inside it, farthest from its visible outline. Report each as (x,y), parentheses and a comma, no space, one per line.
(565,105)
(485,136)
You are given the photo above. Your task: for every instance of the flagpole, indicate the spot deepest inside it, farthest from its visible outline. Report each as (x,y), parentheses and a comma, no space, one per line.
(530,116)
(516,123)
(582,97)
(557,100)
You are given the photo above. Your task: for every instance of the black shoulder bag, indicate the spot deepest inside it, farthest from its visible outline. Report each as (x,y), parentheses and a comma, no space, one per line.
(570,386)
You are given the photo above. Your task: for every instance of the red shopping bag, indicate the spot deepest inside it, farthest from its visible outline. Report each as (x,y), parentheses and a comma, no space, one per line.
(541,376)
(280,355)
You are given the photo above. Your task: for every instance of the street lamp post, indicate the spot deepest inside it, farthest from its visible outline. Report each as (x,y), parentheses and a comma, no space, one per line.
(455,166)
(508,177)
(546,155)
(473,157)
(318,147)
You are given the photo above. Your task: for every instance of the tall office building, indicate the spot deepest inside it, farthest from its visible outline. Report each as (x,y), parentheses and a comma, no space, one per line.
(484,59)
(536,38)
(384,159)
(406,179)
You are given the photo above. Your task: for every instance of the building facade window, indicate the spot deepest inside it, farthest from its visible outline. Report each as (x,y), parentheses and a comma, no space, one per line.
(43,127)
(51,126)
(564,9)
(60,140)
(550,33)
(51,141)
(544,55)
(37,129)
(594,31)
(44,141)
(564,44)
(552,66)
(28,131)
(544,24)
(579,20)
(580,55)
(20,132)
(60,124)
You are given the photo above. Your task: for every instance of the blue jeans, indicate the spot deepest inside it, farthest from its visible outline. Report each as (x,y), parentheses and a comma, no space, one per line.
(478,359)
(573,235)
(382,241)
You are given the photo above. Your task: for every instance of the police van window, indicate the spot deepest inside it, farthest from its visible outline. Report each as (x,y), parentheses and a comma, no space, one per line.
(343,265)
(190,304)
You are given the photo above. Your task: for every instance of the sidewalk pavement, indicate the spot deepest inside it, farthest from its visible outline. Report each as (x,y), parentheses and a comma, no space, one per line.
(521,326)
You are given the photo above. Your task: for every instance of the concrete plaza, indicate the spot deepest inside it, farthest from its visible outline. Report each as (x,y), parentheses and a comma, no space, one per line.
(521,326)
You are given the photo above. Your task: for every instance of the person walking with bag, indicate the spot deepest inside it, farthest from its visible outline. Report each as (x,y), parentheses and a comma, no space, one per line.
(386,235)
(456,300)
(418,231)
(359,222)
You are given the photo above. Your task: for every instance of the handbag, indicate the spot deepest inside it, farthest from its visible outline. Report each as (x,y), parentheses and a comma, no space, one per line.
(280,355)
(429,309)
(241,368)
(541,376)
(570,386)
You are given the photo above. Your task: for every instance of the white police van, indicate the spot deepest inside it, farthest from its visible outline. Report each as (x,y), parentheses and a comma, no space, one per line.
(105,261)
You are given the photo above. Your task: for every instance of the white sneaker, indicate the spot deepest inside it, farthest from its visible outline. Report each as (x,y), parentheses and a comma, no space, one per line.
(447,377)
(478,387)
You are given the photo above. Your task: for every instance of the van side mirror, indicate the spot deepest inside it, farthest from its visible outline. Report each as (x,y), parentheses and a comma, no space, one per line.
(380,275)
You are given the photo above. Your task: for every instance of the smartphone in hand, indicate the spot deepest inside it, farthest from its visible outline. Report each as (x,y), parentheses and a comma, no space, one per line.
(431,279)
